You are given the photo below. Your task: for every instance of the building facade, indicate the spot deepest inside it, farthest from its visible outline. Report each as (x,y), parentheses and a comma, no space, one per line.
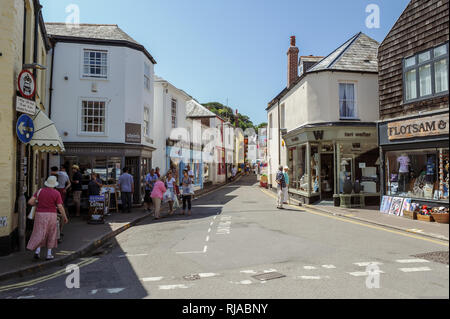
(323,125)
(414,110)
(24,47)
(103,102)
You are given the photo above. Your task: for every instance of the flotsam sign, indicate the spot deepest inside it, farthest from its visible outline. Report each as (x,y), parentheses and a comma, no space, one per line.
(425,126)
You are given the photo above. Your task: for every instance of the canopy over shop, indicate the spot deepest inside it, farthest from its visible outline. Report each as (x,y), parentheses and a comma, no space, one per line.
(323,156)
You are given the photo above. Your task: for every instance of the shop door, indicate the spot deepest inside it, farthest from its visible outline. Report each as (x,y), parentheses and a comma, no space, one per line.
(327,176)
(133,164)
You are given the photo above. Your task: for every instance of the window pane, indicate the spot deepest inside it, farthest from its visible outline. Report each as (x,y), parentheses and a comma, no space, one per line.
(411,88)
(347,100)
(425,80)
(410,62)
(441,76)
(442,50)
(423,57)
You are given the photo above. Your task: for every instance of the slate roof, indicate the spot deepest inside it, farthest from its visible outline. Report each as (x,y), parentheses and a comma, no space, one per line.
(359,53)
(93,32)
(196,110)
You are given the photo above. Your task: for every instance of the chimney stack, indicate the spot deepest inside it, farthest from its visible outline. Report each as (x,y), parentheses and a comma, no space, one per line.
(292,63)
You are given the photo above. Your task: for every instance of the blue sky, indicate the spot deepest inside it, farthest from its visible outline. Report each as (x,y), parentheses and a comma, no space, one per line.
(232,49)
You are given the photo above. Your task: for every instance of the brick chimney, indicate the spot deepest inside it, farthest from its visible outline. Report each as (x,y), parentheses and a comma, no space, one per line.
(292,63)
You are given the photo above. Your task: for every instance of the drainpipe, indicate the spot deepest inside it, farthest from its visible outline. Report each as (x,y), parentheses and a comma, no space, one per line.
(279,135)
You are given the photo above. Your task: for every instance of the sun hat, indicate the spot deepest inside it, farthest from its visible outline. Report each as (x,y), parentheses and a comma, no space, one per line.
(76,167)
(286,167)
(51,182)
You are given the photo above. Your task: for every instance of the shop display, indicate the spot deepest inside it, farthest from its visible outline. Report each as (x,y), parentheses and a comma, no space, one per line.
(385,204)
(440,214)
(396,206)
(406,205)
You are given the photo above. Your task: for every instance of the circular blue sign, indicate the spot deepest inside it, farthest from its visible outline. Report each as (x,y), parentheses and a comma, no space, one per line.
(25,128)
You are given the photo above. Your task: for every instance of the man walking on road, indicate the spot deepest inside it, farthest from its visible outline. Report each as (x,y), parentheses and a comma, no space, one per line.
(77,188)
(281,184)
(286,189)
(126,186)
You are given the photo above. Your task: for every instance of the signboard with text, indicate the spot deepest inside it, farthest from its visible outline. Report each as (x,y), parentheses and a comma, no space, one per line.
(25,106)
(133,133)
(419,127)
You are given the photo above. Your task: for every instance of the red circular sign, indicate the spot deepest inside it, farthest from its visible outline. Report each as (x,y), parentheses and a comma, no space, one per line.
(26,84)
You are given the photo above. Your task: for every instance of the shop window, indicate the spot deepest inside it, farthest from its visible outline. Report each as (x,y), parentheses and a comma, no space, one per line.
(299,176)
(100,168)
(315,169)
(426,74)
(421,174)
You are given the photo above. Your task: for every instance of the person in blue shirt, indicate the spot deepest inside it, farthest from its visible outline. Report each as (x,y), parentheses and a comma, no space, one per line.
(126,186)
(286,189)
(281,184)
(150,180)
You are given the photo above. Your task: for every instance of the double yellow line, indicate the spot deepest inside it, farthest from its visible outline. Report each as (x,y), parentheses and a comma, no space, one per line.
(361,224)
(84,262)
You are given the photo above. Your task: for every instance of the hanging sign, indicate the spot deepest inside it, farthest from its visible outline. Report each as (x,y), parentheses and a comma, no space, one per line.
(25,128)
(26,84)
(25,106)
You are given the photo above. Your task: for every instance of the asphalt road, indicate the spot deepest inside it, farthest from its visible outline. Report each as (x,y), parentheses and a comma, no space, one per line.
(236,233)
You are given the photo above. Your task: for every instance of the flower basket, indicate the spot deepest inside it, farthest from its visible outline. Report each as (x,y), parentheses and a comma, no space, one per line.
(441,218)
(409,214)
(425,218)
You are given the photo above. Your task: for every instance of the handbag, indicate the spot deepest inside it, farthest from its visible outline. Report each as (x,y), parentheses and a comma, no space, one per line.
(33,209)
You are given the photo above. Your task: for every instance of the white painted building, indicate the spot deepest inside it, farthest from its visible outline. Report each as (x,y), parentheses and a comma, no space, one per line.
(102,101)
(323,125)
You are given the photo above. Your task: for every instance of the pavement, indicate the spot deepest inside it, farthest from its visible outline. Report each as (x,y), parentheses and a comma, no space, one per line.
(236,233)
(80,239)
(373,216)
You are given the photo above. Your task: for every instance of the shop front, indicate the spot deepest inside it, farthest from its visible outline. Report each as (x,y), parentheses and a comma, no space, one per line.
(108,160)
(415,163)
(323,157)
(181,157)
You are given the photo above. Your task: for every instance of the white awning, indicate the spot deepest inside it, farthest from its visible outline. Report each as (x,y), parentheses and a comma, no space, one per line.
(46,137)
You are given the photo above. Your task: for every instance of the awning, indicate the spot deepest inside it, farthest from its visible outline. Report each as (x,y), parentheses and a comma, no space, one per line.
(46,137)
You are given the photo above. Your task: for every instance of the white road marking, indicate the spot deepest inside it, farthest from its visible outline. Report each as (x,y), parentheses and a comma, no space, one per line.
(114,290)
(190,252)
(409,261)
(367,263)
(269,270)
(205,249)
(208,275)
(135,255)
(309,267)
(248,272)
(207,238)
(245,282)
(329,266)
(365,273)
(415,269)
(211,223)
(152,279)
(25,297)
(209,230)
(169,287)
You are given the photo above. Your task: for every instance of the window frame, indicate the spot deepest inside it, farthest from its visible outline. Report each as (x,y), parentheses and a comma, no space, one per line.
(146,123)
(417,67)
(80,117)
(355,101)
(147,77)
(172,122)
(89,75)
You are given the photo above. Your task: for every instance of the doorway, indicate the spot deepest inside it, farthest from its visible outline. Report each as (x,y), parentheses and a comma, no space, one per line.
(327,176)
(133,165)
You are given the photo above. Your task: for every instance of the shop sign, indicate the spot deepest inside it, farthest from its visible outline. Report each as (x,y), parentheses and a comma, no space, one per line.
(425,126)
(358,134)
(132,133)
(26,84)
(25,106)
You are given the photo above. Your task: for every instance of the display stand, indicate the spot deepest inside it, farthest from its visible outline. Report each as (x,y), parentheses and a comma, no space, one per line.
(96,209)
(111,197)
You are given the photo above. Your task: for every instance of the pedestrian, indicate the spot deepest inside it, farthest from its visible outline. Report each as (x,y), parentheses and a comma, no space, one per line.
(190,172)
(281,184)
(150,180)
(47,201)
(286,189)
(157,196)
(157,172)
(171,196)
(126,186)
(63,187)
(77,188)
(95,185)
(186,184)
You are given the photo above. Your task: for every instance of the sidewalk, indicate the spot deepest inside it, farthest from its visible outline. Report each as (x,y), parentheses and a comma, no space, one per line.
(80,239)
(372,215)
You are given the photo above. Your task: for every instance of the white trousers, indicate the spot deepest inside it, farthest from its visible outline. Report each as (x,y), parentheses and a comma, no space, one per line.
(286,194)
(280,197)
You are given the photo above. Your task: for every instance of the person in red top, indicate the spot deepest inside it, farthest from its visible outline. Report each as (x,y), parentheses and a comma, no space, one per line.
(47,200)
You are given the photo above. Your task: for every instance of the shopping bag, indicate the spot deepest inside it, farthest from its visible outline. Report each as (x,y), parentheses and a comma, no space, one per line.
(176,203)
(166,196)
(33,209)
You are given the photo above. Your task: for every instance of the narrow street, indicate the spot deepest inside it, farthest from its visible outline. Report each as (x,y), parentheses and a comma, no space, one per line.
(235,233)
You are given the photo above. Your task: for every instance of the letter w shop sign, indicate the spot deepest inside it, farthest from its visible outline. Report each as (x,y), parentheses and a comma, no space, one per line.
(419,127)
